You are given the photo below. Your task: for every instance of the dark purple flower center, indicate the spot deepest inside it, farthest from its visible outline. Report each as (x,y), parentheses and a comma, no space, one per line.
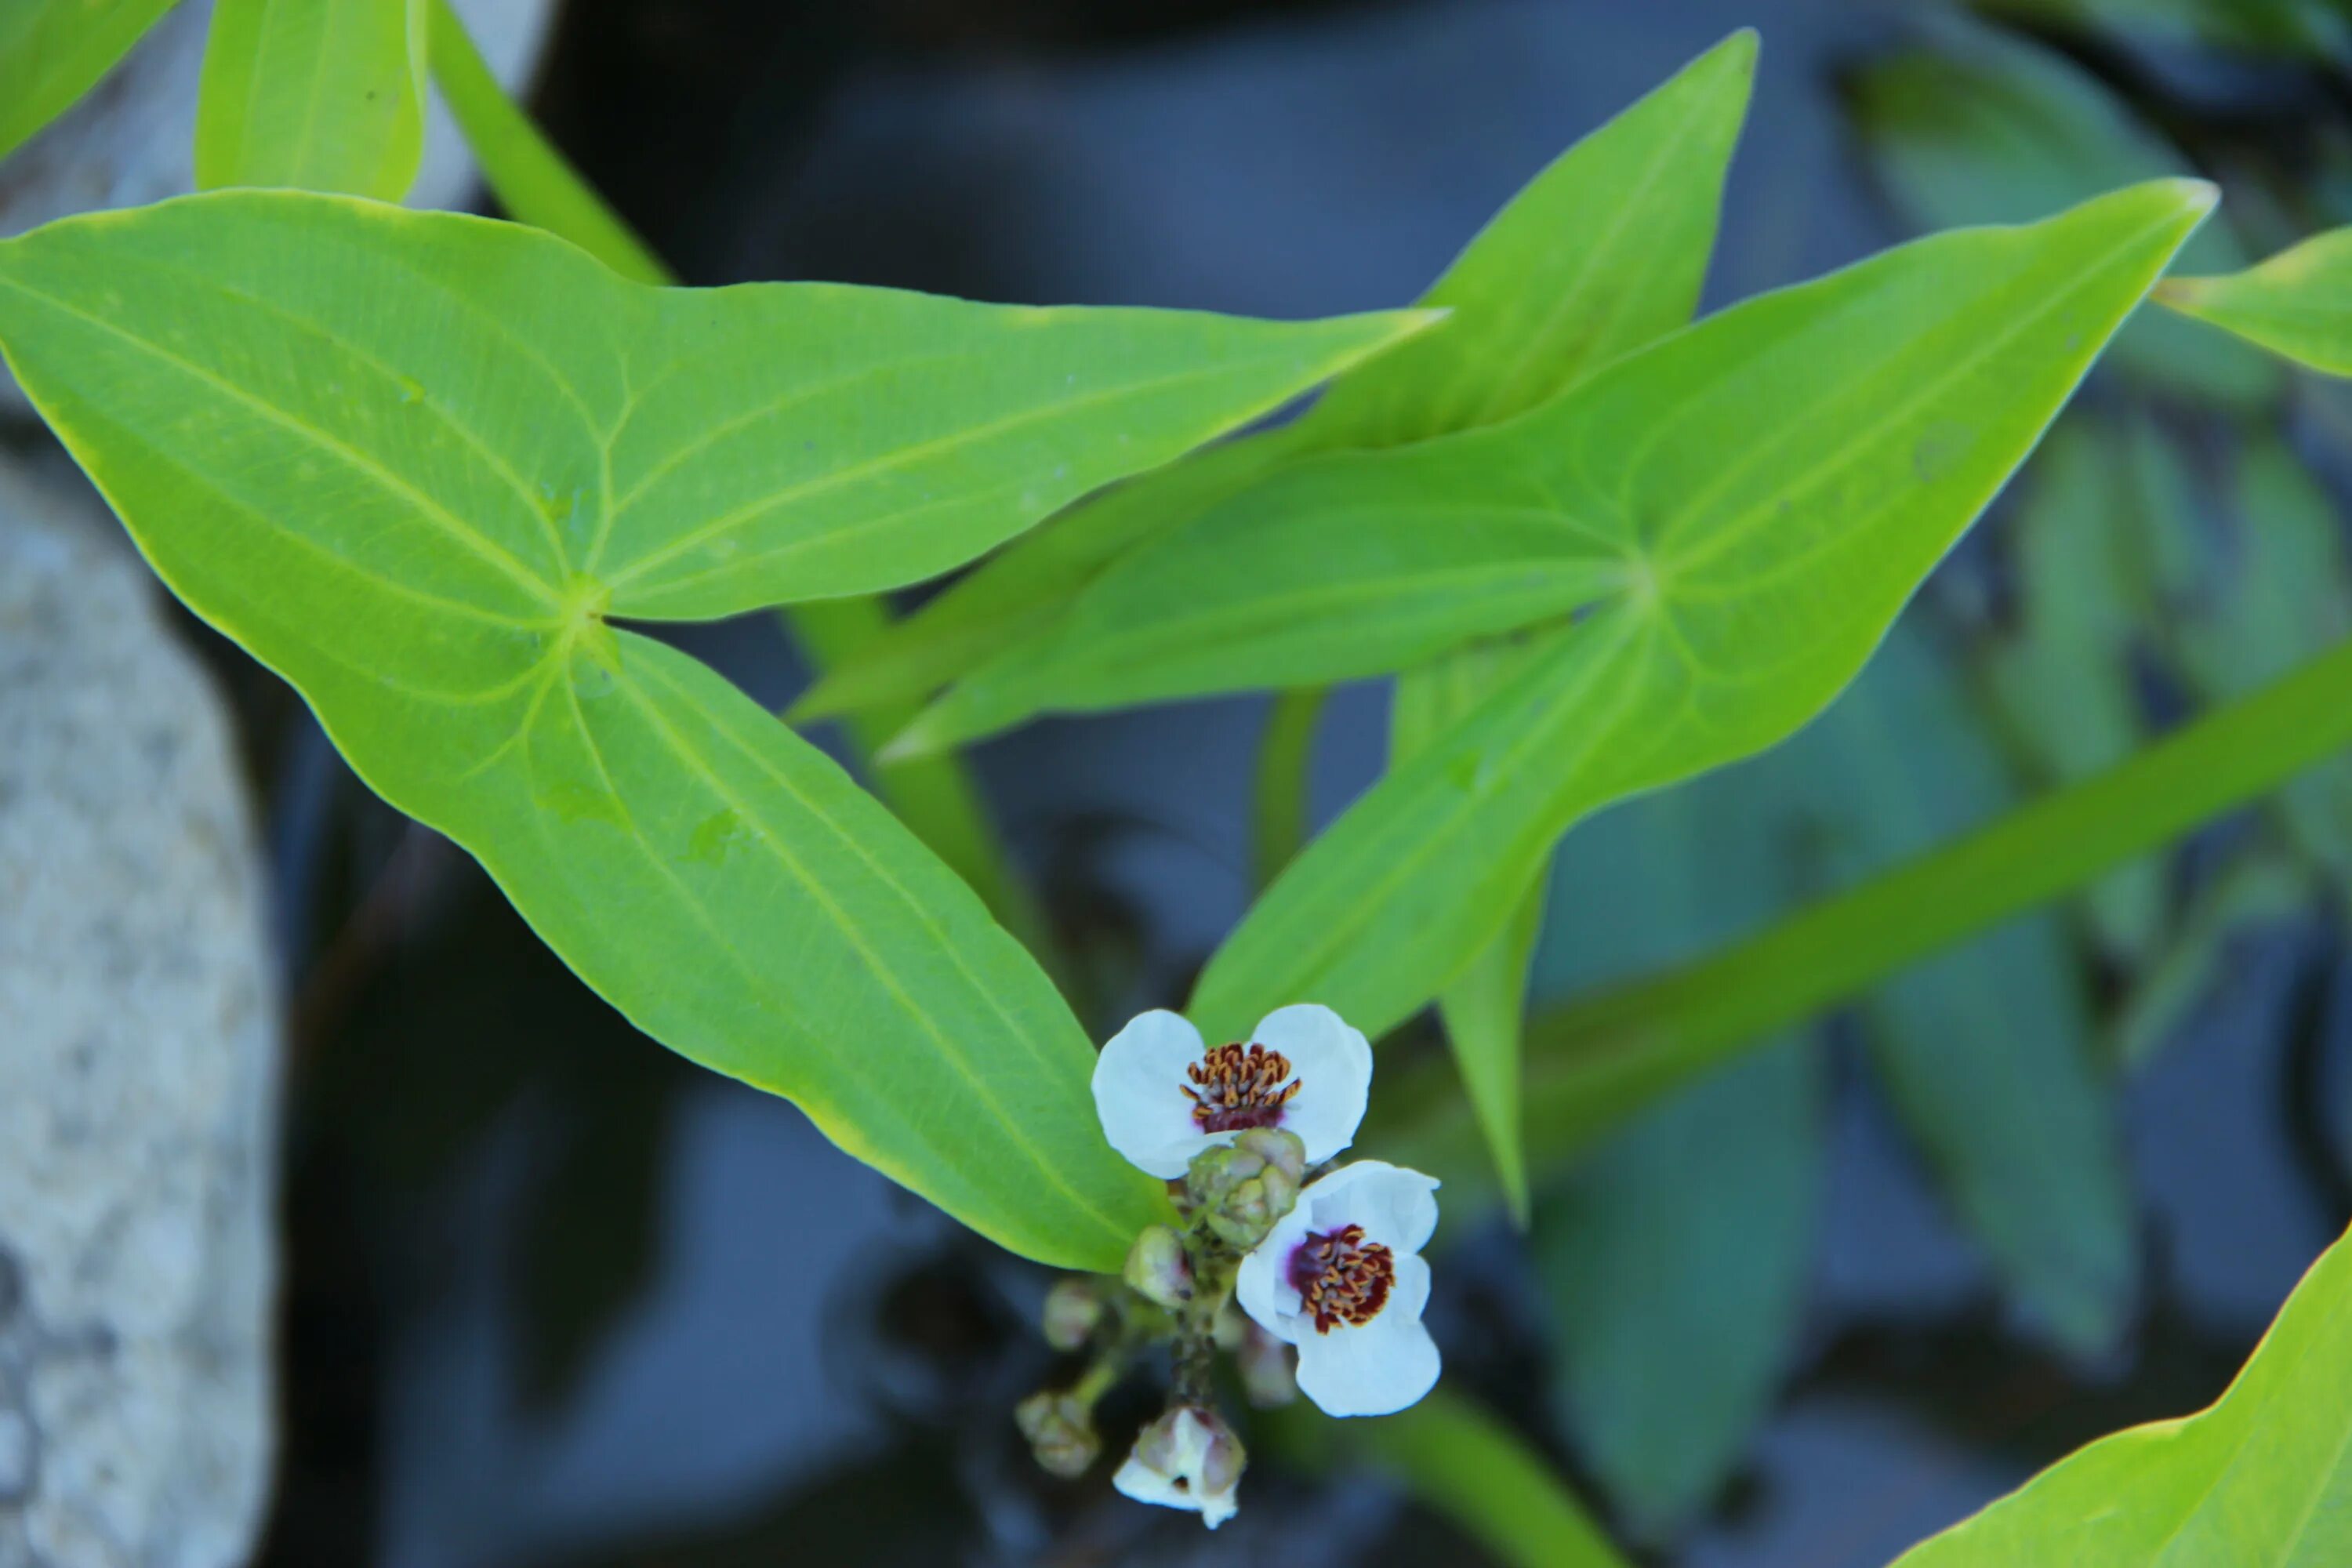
(1341,1279)
(1236,1087)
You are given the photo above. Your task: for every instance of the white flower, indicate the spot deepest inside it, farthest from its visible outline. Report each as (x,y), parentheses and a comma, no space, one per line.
(1164,1096)
(1343,1277)
(1189,1460)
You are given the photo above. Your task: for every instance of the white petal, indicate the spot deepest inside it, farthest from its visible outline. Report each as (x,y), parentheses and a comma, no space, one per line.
(1409,1298)
(1176,1463)
(1375,1369)
(1144,1484)
(1139,1093)
(1333,1063)
(1396,1207)
(1263,1285)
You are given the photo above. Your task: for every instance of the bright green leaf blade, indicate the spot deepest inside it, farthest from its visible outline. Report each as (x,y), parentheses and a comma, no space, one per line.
(935,797)
(1326,571)
(2297,304)
(326,95)
(2261,1479)
(377,448)
(1675,1257)
(1785,474)
(1601,252)
(1984,126)
(1485,1009)
(53,51)
(1986,1052)
(747,467)
(833,959)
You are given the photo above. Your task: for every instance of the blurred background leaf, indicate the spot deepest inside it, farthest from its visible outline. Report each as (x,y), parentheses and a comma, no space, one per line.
(1674,1261)
(1985,1051)
(1975,125)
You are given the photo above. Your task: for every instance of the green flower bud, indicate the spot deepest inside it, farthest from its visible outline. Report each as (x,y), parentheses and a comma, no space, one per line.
(1061,1432)
(1240,1191)
(1215,1173)
(1156,1268)
(1281,1151)
(1074,1309)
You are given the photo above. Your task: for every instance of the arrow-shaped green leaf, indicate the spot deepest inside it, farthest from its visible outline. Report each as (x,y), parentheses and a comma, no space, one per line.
(2262,1479)
(1778,480)
(412,462)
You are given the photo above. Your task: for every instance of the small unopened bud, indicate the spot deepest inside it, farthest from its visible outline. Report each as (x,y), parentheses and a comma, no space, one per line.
(1268,1378)
(1157,1270)
(1215,1173)
(1280,1150)
(1188,1459)
(1241,1190)
(1074,1308)
(1281,1190)
(1242,1219)
(1061,1432)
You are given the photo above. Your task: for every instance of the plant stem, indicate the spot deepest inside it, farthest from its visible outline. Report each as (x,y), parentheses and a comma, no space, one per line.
(1101,1375)
(1283,759)
(1599,1058)
(934,797)
(532,180)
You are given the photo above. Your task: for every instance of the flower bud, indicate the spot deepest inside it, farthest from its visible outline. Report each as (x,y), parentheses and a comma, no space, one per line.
(1061,1432)
(1157,1270)
(1074,1308)
(1215,1173)
(1267,1377)
(1189,1460)
(1244,1216)
(1240,1191)
(1280,1150)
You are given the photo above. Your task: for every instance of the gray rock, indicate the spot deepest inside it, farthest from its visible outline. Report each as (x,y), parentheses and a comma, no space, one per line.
(139,1062)
(131,140)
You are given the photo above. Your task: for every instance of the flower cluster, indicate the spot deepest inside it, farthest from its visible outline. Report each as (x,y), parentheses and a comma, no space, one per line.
(1324,1260)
